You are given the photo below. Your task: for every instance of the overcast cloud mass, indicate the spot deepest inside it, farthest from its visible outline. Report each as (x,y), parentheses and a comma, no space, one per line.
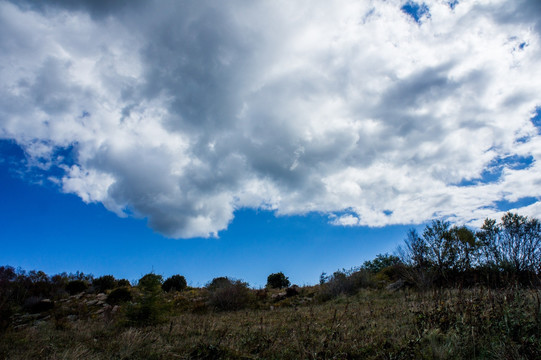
(184,111)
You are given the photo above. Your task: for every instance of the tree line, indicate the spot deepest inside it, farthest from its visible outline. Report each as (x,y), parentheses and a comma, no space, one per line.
(499,254)
(496,255)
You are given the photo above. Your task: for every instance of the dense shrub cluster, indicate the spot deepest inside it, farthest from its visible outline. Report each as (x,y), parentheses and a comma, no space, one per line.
(24,291)
(174,283)
(228,294)
(104,283)
(119,296)
(76,286)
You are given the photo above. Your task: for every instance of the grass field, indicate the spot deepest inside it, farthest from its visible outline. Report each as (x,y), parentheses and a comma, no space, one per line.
(372,324)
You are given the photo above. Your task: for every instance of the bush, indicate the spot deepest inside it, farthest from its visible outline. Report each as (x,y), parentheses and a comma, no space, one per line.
(292,291)
(123,283)
(104,283)
(344,283)
(175,283)
(76,286)
(119,296)
(227,294)
(277,281)
(150,282)
(219,282)
(381,262)
(150,311)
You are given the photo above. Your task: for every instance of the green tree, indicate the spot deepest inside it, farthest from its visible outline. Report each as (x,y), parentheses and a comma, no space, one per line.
(277,281)
(175,283)
(465,248)
(151,308)
(381,262)
(150,283)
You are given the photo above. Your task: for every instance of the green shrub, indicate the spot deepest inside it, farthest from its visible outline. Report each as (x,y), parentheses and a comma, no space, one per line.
(150,311)
(345,283)
(381,262)
(104,283)
(76,286)
(227,294)
(277,281)
(174,283)
(119,296)
(292,291)
(123,283)
(150,283)
(219,282)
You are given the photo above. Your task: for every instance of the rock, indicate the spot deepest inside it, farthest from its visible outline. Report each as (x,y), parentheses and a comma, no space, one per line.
(40,306)
(91,302)
(27,317)
(279,296)
(397,285)
(101,297)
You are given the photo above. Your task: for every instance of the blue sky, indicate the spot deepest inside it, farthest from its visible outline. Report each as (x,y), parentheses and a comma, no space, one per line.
(232,139)
(47,230)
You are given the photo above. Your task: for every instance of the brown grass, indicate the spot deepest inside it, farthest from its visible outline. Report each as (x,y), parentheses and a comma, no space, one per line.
(373,324)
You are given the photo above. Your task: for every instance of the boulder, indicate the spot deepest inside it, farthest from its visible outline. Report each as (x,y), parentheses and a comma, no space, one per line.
(397,285)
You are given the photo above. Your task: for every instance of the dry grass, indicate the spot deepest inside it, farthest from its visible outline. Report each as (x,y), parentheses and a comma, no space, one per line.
(451,324)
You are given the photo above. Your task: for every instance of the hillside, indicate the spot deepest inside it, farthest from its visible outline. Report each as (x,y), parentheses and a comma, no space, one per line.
(451,294)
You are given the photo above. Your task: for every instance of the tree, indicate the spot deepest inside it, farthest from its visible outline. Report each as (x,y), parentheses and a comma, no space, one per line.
(513,245)
(414,255)
(440,250)
(174,283)
(415,252)
(381,262)
(151,308)
(465,248)
(277,281)
(150,283)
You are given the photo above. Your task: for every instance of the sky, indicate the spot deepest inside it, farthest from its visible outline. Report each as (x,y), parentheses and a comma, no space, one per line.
(244,138)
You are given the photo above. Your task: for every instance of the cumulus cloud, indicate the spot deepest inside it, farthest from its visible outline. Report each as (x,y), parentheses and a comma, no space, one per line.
(183,112)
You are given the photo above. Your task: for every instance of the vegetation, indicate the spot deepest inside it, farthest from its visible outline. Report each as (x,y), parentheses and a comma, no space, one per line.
(228,294)
(104,283)
(175,283)
(452,293)
(277,281)
(119,296)
(76,286)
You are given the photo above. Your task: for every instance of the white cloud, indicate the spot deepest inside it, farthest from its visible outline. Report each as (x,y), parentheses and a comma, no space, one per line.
(182,112)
